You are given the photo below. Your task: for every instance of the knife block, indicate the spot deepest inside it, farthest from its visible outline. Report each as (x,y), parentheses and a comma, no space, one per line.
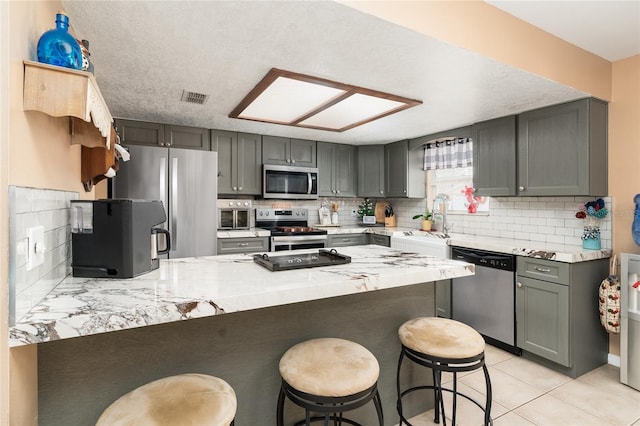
(390,221)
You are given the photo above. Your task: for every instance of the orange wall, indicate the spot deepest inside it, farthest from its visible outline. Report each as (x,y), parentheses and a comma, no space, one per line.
(624,150)
(35,152)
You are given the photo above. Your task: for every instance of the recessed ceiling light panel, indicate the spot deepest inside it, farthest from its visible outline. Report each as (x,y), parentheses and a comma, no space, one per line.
(355,109)
(287,99)
(284,97)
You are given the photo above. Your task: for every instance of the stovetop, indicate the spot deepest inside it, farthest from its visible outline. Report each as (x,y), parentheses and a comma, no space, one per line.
(299,261)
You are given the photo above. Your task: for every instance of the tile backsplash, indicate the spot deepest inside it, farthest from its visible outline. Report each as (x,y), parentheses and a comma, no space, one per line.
(30,207)
(544,219)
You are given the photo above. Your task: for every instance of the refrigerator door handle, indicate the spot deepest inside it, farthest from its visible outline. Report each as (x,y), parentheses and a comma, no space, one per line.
(163,183)
(174,203)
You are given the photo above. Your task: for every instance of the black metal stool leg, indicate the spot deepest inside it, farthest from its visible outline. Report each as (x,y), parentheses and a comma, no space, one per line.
(436,396)
(280,409)
(487,407)
(399,401)
(439,405)
(377,402)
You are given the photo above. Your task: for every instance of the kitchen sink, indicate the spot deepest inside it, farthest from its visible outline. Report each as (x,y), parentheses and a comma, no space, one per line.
(424,244)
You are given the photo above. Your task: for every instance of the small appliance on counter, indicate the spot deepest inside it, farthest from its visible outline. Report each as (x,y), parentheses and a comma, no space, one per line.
(116,238)
(234,214)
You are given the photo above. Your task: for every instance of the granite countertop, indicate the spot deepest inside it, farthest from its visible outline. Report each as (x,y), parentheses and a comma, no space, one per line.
(527,248)
(182,289)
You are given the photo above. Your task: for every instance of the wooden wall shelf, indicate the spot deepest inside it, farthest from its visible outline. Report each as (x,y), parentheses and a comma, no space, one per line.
(63,92)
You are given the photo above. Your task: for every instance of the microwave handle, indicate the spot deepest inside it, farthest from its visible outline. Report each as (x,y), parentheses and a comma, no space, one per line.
(309,183)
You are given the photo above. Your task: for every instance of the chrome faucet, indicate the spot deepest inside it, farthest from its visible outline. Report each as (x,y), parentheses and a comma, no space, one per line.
(440,206)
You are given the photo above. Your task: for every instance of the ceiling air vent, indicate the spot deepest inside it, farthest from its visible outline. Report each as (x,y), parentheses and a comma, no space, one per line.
(194,98)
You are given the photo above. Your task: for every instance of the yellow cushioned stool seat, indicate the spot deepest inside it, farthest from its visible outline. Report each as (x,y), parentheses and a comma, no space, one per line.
(447,345)
(329,367)
(186,399)
(441,337)
(328,376)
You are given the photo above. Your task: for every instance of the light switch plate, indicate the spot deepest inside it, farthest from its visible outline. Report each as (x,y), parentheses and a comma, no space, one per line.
(35,247)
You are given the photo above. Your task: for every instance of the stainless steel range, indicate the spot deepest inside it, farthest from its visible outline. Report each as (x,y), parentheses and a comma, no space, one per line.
(290,229)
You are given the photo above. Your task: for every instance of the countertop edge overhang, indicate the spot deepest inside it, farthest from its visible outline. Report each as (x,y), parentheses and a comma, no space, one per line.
(183,289)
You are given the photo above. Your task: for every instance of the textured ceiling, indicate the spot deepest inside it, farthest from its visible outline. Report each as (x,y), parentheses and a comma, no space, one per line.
(146,53)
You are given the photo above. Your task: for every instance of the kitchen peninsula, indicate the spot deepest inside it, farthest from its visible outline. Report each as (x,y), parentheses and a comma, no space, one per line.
(114,335)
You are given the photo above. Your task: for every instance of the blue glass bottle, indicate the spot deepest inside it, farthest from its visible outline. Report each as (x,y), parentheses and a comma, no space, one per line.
(58,47)
(635,227)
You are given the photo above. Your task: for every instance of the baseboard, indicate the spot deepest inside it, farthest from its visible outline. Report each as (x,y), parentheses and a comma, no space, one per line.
(614,360)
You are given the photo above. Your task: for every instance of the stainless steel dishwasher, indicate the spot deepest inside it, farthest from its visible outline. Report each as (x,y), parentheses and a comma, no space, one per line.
(486,300)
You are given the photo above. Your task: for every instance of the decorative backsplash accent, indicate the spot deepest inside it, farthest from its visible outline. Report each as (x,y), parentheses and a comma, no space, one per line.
(29,207)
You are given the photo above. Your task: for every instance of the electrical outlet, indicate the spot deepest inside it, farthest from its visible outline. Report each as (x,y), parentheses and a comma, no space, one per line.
(35,247)
(354,213)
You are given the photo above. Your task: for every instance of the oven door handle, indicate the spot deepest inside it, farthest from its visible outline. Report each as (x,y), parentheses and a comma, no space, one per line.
(298,239)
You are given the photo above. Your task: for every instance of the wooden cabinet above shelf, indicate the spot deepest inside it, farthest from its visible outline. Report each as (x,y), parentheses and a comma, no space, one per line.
(63,92)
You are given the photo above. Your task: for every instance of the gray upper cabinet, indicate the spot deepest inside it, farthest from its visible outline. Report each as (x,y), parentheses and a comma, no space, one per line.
(337,170)
(404,172)
(562,150)
(239,162)
(371,171)
(285,151)
(494,157)
(156,134)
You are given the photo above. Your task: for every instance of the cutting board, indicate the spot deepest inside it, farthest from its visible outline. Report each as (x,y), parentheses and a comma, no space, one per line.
(379,211)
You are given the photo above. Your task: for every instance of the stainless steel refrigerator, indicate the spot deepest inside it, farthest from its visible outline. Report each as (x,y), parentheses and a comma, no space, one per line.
(630,320)
(186,182)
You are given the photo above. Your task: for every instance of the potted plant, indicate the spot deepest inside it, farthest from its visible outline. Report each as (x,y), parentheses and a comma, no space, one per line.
(426,219)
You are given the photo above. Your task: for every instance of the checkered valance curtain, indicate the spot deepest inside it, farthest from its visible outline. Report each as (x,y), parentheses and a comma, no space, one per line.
(448,154)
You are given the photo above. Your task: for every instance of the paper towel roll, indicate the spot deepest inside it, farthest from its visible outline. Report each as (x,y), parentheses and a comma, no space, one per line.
(123,153)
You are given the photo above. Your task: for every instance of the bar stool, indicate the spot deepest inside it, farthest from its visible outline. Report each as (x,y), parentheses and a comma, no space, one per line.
(194,399)
(442,345)
(328,376)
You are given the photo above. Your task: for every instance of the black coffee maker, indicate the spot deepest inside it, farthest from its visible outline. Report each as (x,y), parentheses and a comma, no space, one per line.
(117,238)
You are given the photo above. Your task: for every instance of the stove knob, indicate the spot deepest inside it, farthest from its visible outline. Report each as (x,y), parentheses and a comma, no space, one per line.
(297,213)
(260,213)
(231,203)
(304,213)
(246,204)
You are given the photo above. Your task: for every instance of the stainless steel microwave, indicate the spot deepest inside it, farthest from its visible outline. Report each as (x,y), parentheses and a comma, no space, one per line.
(289,182)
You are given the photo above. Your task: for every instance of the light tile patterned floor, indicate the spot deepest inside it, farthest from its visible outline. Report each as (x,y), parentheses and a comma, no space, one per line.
(526,394)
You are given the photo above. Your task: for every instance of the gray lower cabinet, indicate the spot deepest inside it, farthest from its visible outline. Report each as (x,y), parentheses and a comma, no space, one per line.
(557,316)
(285,151)
(562,150)
(345,240)
(337,175)
(381,240)
(404,172)
(494,157)
(242,245)
(156,134)
(371,175)
(239,162)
